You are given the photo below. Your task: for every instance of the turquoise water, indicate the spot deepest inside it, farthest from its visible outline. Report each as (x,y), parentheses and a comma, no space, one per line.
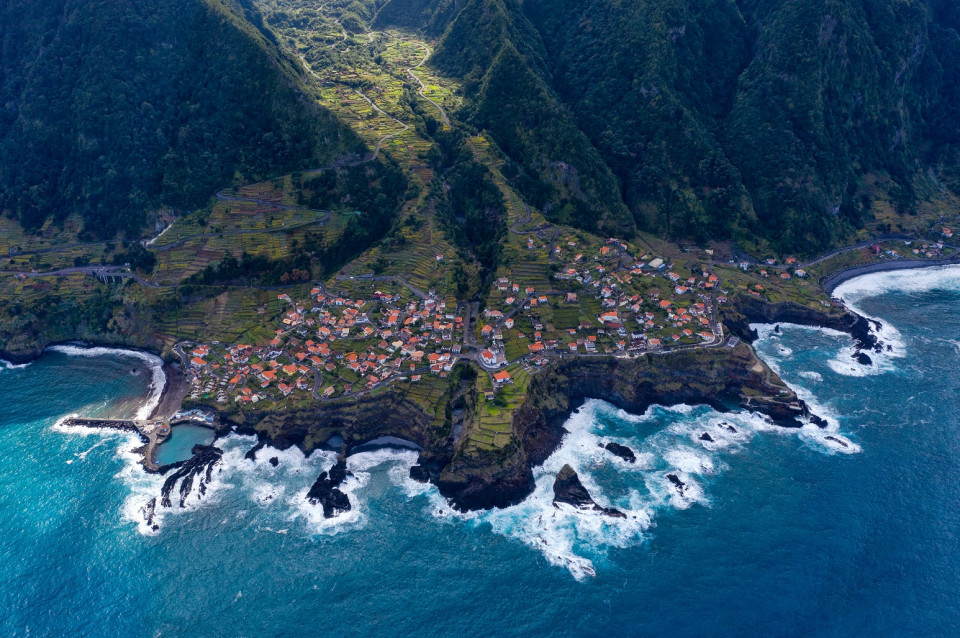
(779,532)
(182,439)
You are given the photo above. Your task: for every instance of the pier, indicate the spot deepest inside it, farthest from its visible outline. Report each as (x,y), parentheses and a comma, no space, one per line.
(151,432)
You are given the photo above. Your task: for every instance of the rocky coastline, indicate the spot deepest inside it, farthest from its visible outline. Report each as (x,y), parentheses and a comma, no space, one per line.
(726,377)
(29,355)
(829,284)
(747,310)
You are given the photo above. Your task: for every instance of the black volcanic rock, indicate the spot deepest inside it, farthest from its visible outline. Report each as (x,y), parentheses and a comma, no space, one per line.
(274,461)
(325,491)
(863,359)
(199,466)
(622,451)
(148,512)
(568,489)
(836,440)
(251,454)
(706,437)
(677,483)
(818,421)
(419,473)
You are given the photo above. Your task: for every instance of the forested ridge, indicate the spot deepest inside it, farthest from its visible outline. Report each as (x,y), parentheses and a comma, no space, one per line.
(782,122)
(740,119)
(114,108)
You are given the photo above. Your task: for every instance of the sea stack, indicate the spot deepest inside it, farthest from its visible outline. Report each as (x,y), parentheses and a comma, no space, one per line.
(568,489)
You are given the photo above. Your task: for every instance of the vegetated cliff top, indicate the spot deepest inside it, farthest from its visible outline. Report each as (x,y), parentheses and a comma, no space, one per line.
(785,121)
(113,108)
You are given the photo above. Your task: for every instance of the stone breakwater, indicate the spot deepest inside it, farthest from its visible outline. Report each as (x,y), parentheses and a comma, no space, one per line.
(152,433)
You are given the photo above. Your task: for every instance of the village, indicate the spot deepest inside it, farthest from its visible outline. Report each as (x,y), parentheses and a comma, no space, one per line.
(602,301)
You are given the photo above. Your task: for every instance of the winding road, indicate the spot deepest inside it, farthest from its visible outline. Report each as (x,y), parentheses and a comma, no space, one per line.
(423,87)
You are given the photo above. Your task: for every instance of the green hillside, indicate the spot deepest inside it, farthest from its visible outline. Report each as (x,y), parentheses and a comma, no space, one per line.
(784,122)
(111,109)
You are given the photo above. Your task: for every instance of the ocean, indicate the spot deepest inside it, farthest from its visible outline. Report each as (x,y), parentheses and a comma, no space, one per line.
(852,530)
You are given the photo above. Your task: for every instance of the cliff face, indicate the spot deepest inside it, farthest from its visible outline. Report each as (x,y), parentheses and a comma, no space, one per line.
(717,377)
(357,422)
(745,310)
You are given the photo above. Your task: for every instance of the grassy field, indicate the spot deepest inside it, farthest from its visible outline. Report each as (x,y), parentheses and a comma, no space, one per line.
(494,424)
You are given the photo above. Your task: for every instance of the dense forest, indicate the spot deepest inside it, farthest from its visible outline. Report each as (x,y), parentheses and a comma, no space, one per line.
(111,108)
(710,118)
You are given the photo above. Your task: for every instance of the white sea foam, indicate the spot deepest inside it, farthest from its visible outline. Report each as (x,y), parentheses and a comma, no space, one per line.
(6,365)
(855,290)
(360,467)
(574,539)
(827,413)
(157,379)
(832,442)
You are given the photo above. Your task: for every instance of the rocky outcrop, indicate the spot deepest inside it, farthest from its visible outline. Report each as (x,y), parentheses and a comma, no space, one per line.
(622,451)
(719,377)
(326,493)
(199,467)
(747,309)
(472,479)
(149,512)
(678,485)
(357,421)
(568,489)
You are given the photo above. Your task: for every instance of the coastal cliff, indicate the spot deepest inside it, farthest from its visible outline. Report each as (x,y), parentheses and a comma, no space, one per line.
(746,309)
(723,377)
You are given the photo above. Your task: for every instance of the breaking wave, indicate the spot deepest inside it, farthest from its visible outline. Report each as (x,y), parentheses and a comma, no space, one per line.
(157,377)
(676,465)
(6,365)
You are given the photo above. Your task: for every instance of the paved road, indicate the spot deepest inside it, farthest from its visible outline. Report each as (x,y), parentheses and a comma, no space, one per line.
(423,87)
(93,271)
(400,280)
(380,142)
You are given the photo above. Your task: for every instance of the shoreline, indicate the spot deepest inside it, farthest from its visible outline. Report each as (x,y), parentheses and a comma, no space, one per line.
(20,358)
(478,484)
(832,282)
(175,389)
(172,392)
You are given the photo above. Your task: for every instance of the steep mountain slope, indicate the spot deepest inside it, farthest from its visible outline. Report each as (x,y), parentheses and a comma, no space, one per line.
(494,48)
(111,108)
(718,118)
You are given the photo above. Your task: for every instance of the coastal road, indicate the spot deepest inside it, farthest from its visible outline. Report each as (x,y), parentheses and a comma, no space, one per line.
(93,271)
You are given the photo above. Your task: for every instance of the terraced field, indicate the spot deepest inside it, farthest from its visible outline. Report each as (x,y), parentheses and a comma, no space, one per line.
(494,423)
(236,314)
